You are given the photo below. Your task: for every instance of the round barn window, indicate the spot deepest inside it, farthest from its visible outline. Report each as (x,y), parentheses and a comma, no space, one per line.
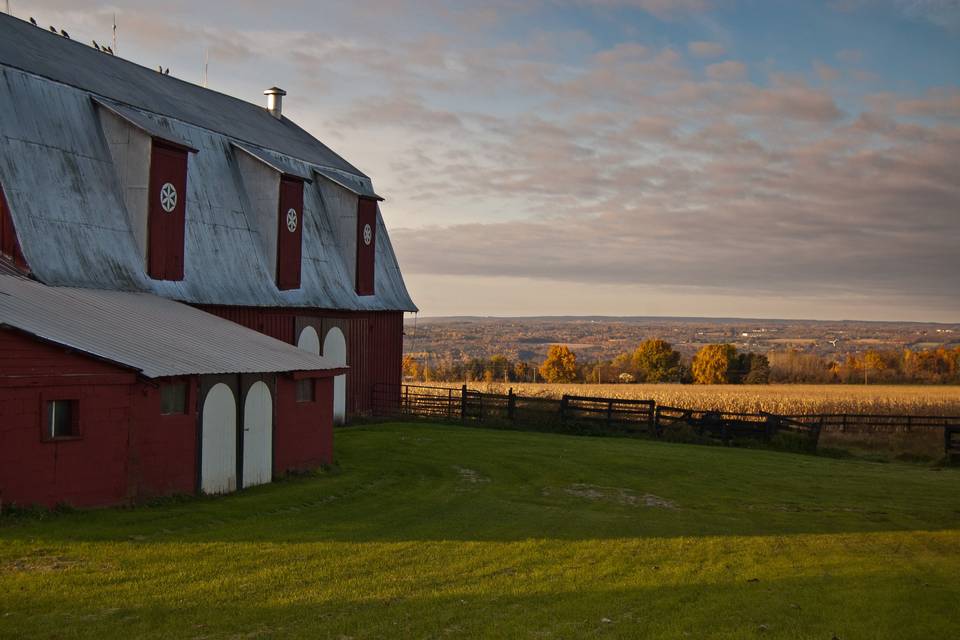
(168,197)
(367,234)
(291,220)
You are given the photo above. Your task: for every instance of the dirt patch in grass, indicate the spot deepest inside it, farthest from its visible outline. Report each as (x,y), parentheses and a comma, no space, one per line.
(616,495)
(39,563)
(471,476)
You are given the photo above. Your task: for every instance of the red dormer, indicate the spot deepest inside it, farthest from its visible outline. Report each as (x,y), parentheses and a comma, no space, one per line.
(167,211)
(9,244)
(289,233)
(366,245)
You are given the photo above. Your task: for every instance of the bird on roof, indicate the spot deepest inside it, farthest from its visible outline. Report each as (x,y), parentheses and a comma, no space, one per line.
(64,34)
(166,71)
(33,22)
(53,29)
(159,69)
(96,46)
(108,50)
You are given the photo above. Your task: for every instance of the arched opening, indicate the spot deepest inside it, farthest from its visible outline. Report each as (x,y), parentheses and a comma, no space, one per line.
(335,349)
(257,435)
(309,340)
(218,468)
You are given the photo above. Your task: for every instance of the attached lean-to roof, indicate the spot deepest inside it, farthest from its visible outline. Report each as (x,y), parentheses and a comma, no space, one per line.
(155,336)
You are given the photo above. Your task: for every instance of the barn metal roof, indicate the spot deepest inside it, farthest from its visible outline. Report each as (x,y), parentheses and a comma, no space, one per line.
(64,195)
(40,52)
(155,336)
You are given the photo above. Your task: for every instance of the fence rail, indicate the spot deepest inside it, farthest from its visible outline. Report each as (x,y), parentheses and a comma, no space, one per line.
(646,417)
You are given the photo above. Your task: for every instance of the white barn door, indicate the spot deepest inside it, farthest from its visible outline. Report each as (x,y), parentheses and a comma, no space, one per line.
(257,435)
(218,443)
(335,348)
(309,341)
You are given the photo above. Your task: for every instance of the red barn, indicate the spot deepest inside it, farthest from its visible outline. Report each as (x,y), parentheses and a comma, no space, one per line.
(175,265)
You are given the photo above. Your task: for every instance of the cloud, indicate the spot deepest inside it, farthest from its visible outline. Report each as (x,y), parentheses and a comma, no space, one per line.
(704,49)
(727,70)
(545,156)
(659,8)
(943,102)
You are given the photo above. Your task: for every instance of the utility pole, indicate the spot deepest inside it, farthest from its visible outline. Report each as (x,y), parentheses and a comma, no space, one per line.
(114,34)
(206,66)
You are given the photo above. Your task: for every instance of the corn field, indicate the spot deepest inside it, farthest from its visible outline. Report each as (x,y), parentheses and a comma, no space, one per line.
(785,399)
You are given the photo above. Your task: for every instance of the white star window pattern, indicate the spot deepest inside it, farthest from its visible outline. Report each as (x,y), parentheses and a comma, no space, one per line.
(367,234)
(291,220)
(168,197)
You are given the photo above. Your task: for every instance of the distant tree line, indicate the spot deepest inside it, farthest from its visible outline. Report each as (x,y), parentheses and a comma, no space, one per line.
(656,360)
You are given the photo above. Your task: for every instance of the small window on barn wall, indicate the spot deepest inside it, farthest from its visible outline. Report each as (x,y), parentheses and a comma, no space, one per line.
(306,390)
(167,211)
(61,419)
(289,233)
(173,398)
(366,245)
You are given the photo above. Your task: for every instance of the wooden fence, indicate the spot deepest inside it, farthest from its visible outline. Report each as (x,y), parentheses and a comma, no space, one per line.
(582,414)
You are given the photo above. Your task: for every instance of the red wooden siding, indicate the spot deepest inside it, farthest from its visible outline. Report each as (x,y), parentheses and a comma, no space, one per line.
(168,187)
(366,252)
(303,436)
(9,245)
(127,450)
(89,470)
(374,342)
(163,448)
(289,233)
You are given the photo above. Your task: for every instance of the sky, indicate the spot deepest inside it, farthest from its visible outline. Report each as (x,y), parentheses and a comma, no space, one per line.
(735,158)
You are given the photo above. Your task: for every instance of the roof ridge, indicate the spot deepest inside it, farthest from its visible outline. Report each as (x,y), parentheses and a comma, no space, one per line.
(194,91)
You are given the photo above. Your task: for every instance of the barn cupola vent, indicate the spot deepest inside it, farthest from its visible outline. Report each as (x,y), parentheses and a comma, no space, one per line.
(275,101)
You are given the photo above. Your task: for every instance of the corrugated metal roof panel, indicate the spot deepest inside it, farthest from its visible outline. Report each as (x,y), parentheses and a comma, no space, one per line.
(155,336)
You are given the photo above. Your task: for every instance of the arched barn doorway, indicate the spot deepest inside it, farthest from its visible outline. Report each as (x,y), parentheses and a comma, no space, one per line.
(218,443)
(335,348)
(257,435)
(309,340)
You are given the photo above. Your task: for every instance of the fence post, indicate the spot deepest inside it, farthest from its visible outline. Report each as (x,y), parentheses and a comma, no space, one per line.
(463,402)
(406,397)
(511,404)
(563,409)
(449,403)
(652,427)
(609,412)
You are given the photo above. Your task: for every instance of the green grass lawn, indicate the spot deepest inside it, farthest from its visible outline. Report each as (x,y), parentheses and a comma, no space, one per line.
(448,532)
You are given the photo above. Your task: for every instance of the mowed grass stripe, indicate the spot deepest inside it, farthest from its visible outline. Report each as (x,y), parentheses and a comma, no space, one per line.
(432,531)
